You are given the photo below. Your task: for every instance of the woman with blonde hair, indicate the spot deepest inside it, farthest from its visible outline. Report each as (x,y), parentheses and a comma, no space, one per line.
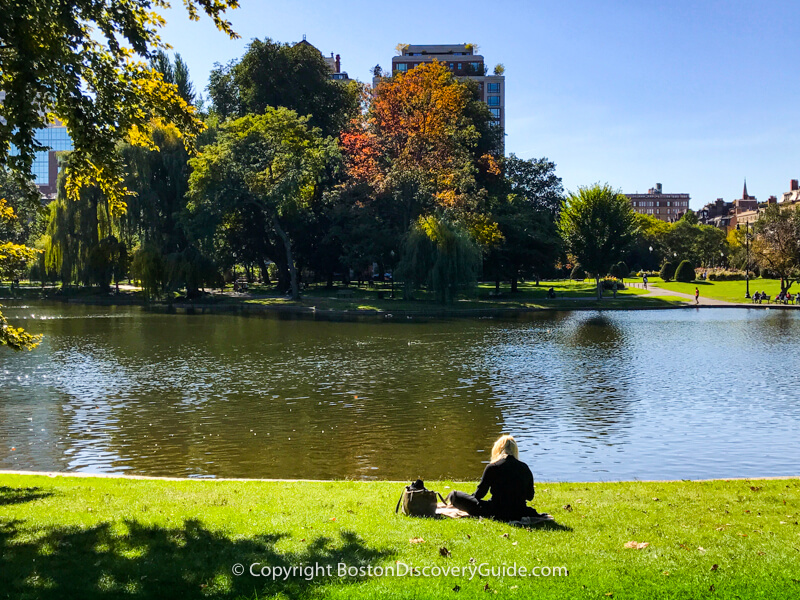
(510,482)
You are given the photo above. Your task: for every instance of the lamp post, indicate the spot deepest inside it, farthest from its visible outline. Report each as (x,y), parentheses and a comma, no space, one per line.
(391,253)
(747,257)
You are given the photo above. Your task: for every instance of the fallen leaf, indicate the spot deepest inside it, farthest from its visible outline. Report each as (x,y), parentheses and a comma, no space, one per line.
(701,549)
(505,535)
(444,551)
(610,594)
(514,543)
(714,567)
(754,488)
(655,499)
(303,540)
(665,572)
(742,534)
(761,553)
(637,545)
(711,589)
(513,587)
(568,507)
(472,561)
(457,588)
(416,541)
(469,537)
(486,588)
(333,518)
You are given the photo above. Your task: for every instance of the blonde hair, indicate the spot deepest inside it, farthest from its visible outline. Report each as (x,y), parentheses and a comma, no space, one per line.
(505,445)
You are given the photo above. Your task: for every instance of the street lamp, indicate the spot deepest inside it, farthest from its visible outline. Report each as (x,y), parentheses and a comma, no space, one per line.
(747,259)
(391,253)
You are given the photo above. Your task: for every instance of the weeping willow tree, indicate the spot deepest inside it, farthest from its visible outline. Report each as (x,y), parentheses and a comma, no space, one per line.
(440,254)
(79,244)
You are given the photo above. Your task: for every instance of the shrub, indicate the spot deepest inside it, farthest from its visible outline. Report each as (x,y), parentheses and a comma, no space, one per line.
(620,270)
(667,271)
(608,284)
(685,272)
(727,276)
(577,272)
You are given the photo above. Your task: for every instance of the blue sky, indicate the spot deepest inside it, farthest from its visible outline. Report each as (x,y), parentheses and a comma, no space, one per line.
(694,95)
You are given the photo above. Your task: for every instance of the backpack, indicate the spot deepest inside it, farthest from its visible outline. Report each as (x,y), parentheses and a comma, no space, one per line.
(418,501)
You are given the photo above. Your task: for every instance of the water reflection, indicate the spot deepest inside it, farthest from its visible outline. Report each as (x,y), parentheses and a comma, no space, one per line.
(654,394)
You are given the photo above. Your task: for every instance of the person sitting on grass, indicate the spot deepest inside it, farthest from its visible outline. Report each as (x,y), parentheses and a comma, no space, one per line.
(510,482)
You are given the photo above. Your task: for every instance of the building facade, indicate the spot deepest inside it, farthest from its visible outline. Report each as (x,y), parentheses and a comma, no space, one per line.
(666,207)
(53,139)
(462,61)
(334,62)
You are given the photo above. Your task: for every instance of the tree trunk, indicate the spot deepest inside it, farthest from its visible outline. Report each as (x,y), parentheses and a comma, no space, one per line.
(497,285)
(262,264)
(599,288)
(289,259)
(514,278)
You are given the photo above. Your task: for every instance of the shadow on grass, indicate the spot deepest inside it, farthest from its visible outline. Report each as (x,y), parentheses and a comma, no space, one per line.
(10,495)
(134,560)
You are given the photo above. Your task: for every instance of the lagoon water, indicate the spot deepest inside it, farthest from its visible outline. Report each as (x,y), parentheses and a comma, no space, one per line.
(590,396)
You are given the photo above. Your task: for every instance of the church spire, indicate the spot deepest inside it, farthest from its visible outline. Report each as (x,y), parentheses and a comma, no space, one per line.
(744,193)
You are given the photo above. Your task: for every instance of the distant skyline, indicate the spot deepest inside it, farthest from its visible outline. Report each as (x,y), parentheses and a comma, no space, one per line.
(696,96)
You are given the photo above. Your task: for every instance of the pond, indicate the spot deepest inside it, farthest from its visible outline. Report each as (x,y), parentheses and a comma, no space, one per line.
(590,396)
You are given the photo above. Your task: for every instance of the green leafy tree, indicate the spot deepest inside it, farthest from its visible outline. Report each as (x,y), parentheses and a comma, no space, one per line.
(274,74)
(274,162)
(776,247)
(597,225)
(85,62)
(12,258)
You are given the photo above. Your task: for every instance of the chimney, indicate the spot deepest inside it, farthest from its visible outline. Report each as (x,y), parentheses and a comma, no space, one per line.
(772,200)
(658,188)
(338,64)
(793,185)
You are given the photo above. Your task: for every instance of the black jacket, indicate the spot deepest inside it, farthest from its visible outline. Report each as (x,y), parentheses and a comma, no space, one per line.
(511,484)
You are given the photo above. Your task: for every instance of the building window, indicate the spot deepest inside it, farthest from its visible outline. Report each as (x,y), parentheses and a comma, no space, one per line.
(452,66)
(493,87)
(493,100)
(459,66)
(495,112)
(475,66)
(402,66)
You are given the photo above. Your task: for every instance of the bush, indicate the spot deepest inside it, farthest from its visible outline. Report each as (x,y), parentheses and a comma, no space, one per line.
(620,270)
(577,272)
(685,272)
(608,284)
(728,276)
(667,271)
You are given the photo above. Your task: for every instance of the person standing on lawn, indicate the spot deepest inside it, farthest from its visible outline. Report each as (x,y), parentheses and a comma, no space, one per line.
(696,295)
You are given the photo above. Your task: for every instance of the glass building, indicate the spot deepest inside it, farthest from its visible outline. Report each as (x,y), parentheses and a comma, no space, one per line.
(45,166)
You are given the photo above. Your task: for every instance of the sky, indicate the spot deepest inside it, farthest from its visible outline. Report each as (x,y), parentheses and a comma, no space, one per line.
(696,96)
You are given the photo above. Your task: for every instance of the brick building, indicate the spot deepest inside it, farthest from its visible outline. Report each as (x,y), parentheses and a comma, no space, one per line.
(666,207)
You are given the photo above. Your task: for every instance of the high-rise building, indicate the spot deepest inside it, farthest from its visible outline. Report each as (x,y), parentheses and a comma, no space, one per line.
(666,207)
(54,138)
(462,61)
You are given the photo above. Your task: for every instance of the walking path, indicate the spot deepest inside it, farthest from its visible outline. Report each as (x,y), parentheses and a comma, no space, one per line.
(654,290)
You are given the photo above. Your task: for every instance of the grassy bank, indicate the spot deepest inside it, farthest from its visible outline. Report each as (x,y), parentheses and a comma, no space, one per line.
(110,538)
(729,291)
(569,295)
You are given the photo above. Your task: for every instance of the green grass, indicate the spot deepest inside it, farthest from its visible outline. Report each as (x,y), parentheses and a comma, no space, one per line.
(728,291)
(92,538)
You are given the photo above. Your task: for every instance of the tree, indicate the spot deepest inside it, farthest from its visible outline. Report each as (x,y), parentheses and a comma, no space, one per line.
(526,220)
(85,63)
(273,162)
(597,225)
(274,74)
(12,257)
(441,254)
(776,246)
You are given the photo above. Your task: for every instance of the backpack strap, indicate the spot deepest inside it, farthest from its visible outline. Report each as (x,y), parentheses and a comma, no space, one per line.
(440,498)
(397,508)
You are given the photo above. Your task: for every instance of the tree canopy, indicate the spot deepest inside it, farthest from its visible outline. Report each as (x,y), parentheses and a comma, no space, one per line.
(597,225)
(85,63)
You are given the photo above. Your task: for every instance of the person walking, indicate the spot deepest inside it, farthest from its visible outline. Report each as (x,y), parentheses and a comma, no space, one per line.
(644,280)
(696,295)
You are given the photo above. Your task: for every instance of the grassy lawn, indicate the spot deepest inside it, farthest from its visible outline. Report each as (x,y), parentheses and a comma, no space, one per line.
(88,538)
(729,291)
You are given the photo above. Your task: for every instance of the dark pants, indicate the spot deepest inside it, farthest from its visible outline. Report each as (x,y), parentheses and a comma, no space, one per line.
(470,504)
